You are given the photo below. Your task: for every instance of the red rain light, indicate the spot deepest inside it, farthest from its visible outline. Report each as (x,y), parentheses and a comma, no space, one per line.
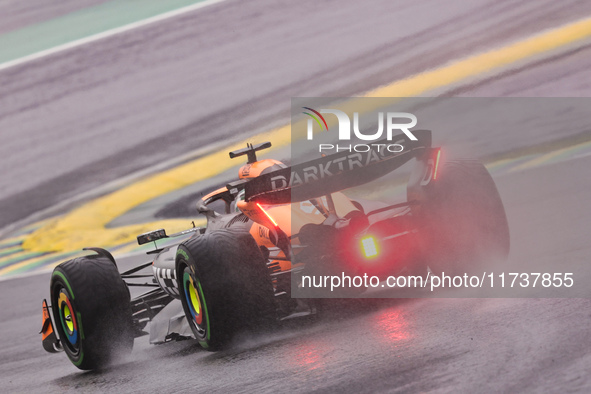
(369,246)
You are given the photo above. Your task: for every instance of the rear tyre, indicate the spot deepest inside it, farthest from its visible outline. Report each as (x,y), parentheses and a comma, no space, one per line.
(464,220)
(225,286)
(91,306)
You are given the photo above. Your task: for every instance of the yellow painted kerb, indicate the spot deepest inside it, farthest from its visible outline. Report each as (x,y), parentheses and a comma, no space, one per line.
(85,225)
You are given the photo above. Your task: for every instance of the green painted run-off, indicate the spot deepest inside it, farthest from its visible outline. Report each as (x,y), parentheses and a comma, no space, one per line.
(81,24)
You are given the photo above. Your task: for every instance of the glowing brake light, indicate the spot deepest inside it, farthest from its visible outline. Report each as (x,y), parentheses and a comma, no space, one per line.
(369,246)
(436,164)
(267,214)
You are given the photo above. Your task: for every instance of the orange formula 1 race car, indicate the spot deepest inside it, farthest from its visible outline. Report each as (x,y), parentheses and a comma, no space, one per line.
(279,225)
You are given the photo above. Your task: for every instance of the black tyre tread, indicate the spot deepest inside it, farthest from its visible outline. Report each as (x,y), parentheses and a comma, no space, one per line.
(235,280)
(465,189)
(491,199)
(103,301)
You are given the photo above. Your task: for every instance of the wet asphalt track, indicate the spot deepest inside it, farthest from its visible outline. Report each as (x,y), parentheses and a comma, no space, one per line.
(75,120)
(447,345)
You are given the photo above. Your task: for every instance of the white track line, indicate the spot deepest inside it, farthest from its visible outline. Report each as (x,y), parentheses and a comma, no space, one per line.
(108,33)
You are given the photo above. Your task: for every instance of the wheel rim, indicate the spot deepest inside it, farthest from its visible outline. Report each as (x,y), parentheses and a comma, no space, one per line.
(195,303)
(68,320)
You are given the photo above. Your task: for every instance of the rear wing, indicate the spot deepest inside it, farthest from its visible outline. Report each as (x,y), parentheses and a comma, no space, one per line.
(336,172)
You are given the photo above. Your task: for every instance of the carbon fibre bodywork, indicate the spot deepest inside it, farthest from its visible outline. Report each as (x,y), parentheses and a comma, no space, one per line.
(285,210)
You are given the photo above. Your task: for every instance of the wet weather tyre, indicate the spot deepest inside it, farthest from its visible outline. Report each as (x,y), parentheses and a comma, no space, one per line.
(225,286)
(465,221)
(92,311)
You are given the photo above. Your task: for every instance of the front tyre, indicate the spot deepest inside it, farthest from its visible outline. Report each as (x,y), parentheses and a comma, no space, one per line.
(91,306)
